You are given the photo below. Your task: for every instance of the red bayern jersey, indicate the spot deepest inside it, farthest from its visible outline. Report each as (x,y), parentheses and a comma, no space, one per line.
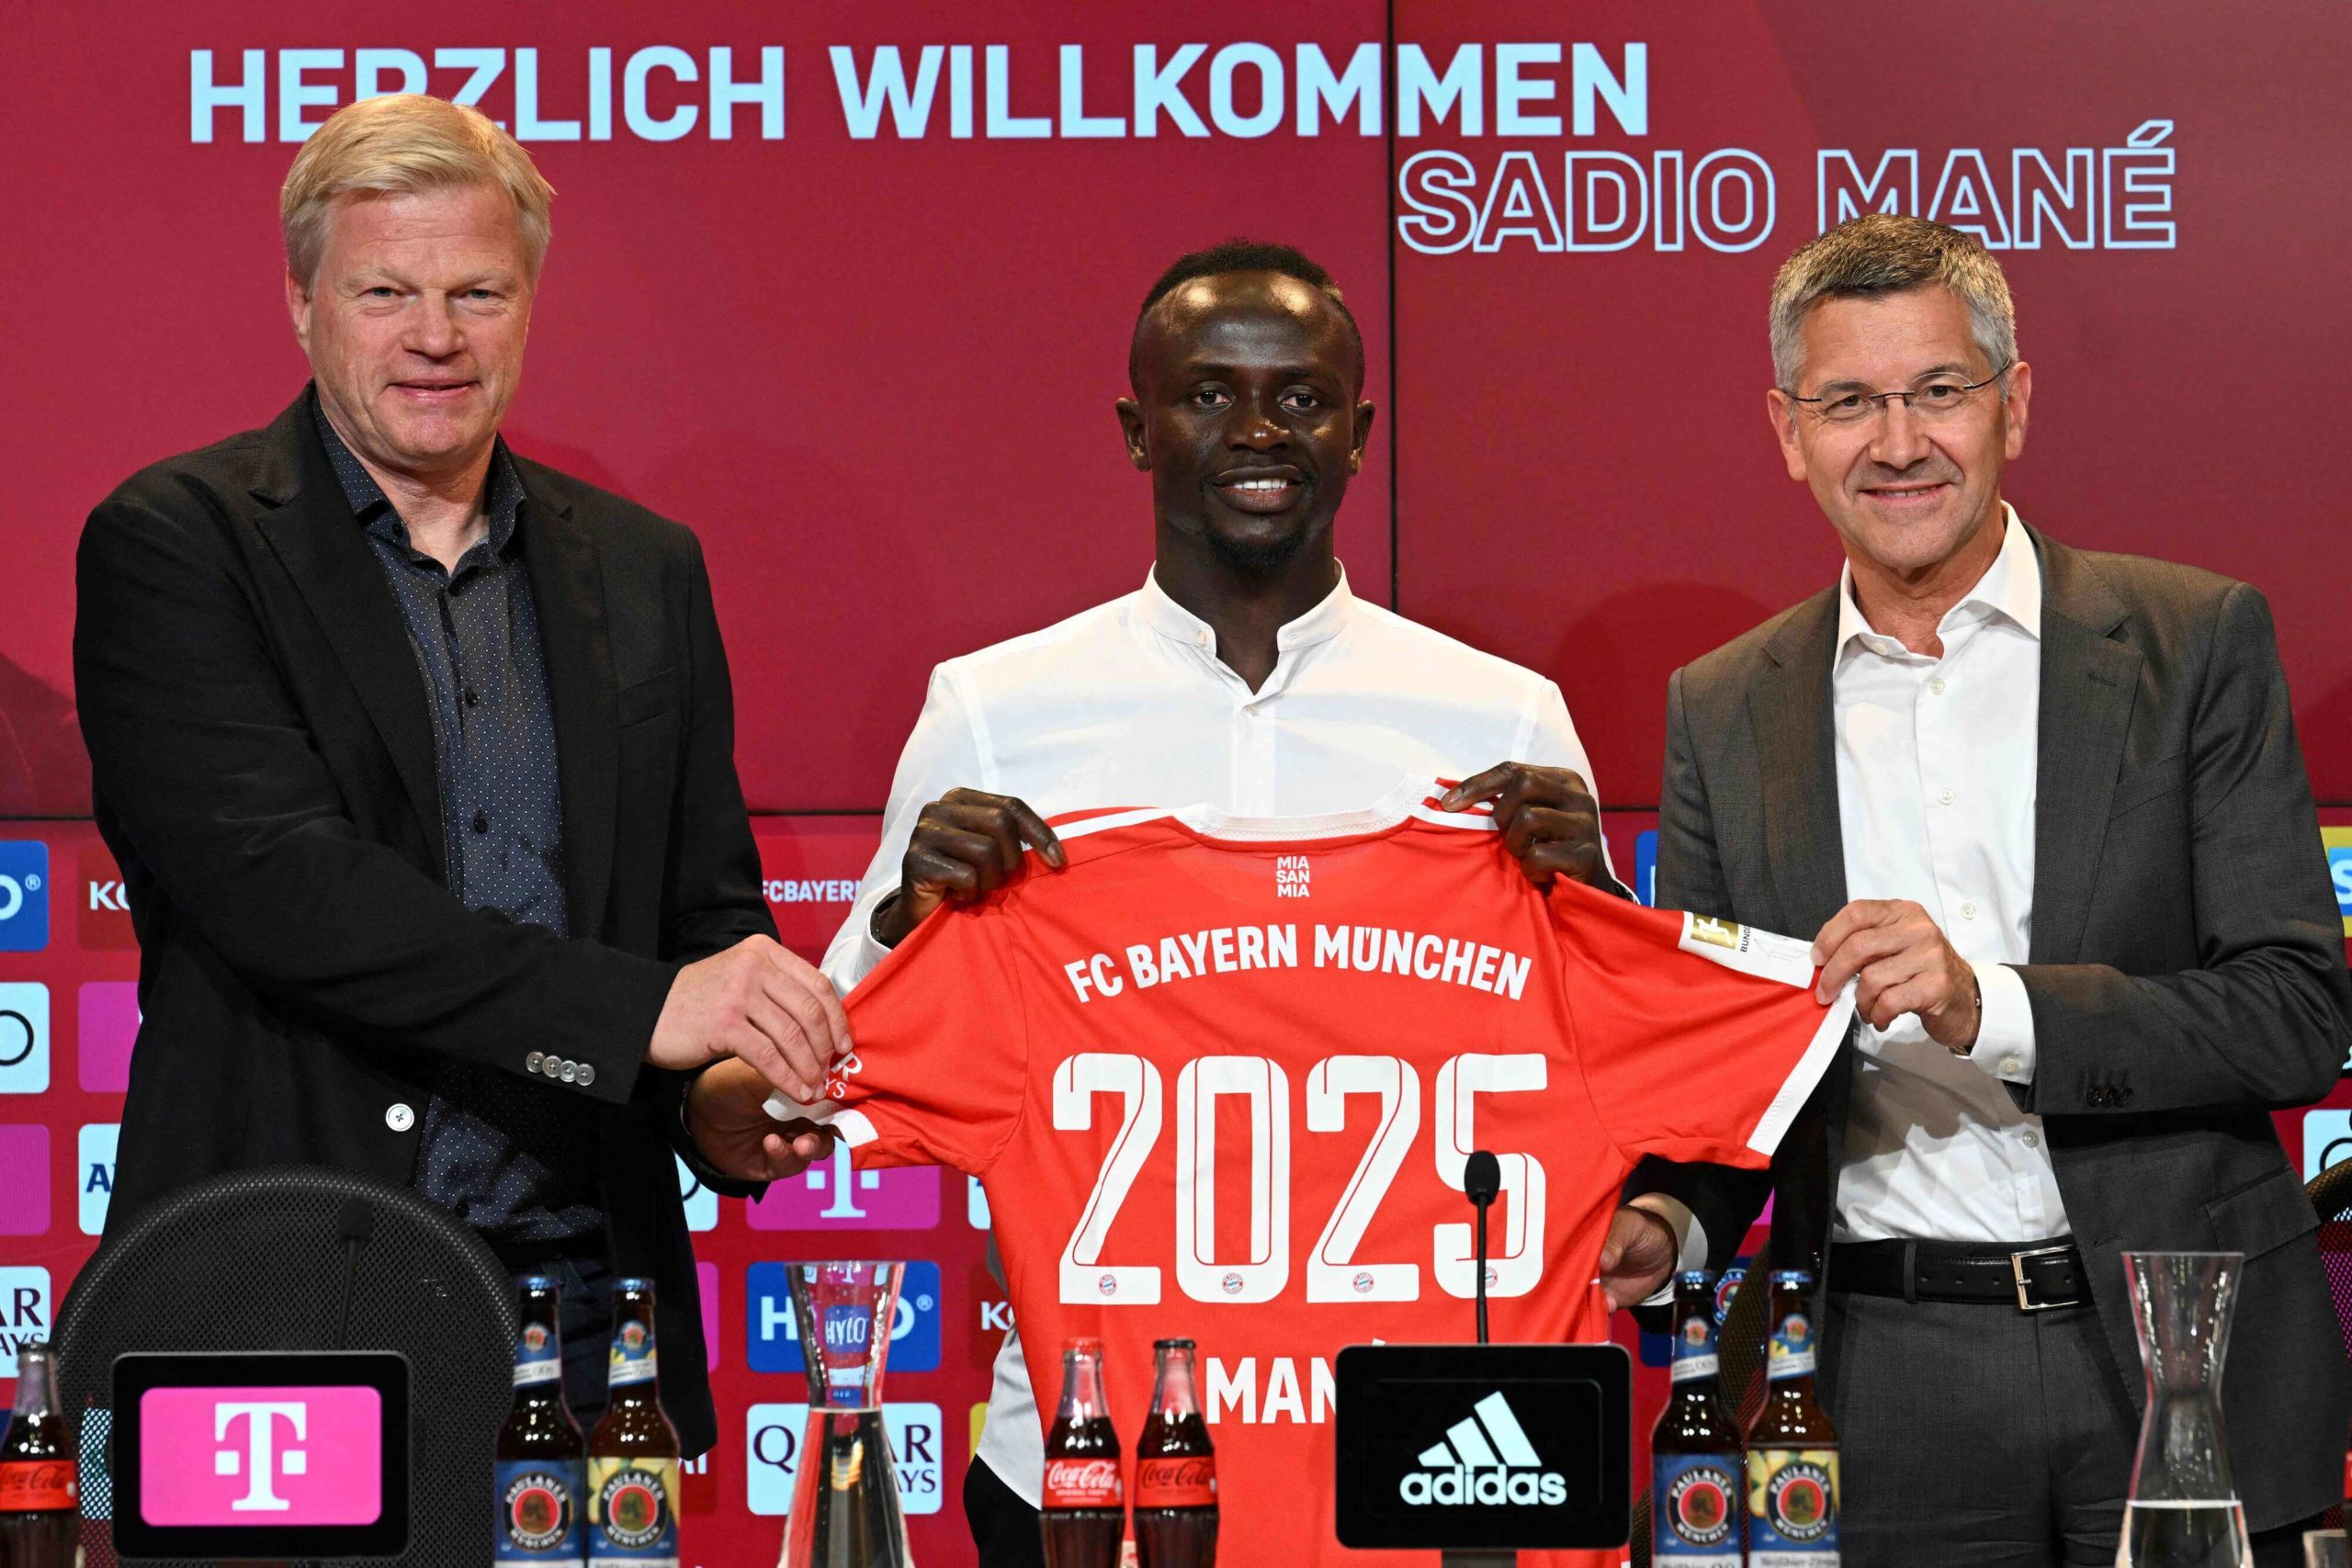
(1220,1077)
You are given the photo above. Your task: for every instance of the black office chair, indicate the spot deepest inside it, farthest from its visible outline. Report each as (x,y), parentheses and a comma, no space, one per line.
(305,1258)
(2331,1195)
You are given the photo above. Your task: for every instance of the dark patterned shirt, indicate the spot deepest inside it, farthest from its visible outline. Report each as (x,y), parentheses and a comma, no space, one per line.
(513,1159)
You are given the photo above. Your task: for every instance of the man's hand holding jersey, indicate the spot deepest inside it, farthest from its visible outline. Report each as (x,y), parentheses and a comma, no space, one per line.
(728,1119)
(966,845)
(754,1017)
(1548,818)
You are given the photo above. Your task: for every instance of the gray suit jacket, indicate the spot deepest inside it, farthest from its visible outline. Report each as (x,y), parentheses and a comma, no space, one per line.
(2186,973)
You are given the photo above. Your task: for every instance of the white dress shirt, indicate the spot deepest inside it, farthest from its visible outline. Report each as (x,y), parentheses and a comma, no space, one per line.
(1128,704)
(1936,788)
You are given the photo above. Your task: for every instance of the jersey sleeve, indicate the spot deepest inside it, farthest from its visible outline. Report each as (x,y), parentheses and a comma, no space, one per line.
(939,1061)
(1698,1039)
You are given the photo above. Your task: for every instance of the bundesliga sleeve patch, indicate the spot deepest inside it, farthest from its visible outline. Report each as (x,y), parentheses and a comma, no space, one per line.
(1751,951)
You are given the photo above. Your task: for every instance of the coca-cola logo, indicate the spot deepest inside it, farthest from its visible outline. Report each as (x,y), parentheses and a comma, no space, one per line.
(35,1485)
(1084,1472)
(1192,1470)
(1176,1481)
(1082,1482)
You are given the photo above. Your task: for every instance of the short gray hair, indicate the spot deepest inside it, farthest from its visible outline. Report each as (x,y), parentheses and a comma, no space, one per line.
(1881,253)
(402,144)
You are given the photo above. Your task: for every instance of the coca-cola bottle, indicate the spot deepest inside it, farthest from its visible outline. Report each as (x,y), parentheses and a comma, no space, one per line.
(1175,1468)
(41,1520)
(1084,1515)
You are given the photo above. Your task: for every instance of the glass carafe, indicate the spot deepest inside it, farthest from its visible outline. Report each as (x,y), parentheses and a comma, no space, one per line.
(2183,1510)
(845,1492)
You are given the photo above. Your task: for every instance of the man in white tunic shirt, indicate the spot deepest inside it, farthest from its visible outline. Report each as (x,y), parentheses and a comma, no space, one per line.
(2091,931)
(1244,673)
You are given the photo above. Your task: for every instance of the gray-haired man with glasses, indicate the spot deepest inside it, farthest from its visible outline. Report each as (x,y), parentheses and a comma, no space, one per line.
(2046,808)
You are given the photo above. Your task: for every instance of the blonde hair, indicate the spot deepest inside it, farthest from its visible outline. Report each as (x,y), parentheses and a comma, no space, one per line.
(399,144)
(1882,253)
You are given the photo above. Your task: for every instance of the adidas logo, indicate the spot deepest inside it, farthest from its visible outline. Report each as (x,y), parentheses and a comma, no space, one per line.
(1484,1460)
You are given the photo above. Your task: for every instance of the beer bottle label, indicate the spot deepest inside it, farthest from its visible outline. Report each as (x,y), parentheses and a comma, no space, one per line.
(1726,1288)
(632,1357)
(538,1357)
(1695,1504)
(1694,1349)
(538,1510)
(1186,1480)
(1792,1350)
(633,1510)
(1792,1508)
(38,1487)
(1082,1483)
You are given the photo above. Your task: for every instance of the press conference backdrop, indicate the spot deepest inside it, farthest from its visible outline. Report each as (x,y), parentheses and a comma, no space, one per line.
(849,289)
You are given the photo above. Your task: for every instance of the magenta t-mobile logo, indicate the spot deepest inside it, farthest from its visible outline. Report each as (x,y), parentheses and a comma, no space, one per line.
(261,1456)
(832,1195)
(262,1459)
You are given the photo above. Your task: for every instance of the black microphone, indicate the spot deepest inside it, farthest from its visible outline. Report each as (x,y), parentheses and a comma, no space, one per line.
(1482,1179)
(354,1225)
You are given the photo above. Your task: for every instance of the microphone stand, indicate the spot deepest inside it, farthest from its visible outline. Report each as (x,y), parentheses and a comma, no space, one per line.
(1482,1180)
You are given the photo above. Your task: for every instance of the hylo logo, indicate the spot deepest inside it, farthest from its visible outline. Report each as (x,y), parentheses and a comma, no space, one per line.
(773,1336)
(1291,876)
(1486,1461)
(23,895)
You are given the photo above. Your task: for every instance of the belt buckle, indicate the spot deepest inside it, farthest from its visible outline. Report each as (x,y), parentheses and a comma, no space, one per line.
(2016,1271)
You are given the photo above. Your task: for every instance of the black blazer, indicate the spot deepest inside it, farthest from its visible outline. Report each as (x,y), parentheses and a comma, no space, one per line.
(263,767)
(2186,973)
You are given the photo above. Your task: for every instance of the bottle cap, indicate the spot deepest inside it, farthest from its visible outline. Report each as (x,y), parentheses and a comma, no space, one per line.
(1792,1276)
(1698,1277)
(634,1284)
(1171,1345)
(536,1281)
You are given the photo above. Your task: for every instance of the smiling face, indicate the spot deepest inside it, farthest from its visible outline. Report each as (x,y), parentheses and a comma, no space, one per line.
(1906,493)
(1246,413)
(415,325)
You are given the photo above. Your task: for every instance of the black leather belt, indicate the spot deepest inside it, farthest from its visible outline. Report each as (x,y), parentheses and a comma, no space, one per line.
(2039,1277)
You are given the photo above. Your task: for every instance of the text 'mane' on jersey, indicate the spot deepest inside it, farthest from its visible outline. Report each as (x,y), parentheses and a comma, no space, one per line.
(1220,1077)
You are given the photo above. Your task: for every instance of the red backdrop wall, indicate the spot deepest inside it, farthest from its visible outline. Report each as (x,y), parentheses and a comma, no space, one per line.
(875,372)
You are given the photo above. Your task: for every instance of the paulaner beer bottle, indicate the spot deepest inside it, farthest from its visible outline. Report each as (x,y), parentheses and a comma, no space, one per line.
(1085,1512)
(40,1518)
(540,1478)
(1695,1492)
(633,1453)
(1791,1449)
(1175,1468)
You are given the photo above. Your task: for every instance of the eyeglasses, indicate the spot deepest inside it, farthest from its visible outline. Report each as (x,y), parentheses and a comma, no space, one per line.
(1933,397)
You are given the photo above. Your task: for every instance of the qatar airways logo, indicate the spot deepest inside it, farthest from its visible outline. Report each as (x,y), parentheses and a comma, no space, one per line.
(279,1456)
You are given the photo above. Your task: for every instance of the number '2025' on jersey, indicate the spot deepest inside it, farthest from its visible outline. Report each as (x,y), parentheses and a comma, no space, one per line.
(1220,1077)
